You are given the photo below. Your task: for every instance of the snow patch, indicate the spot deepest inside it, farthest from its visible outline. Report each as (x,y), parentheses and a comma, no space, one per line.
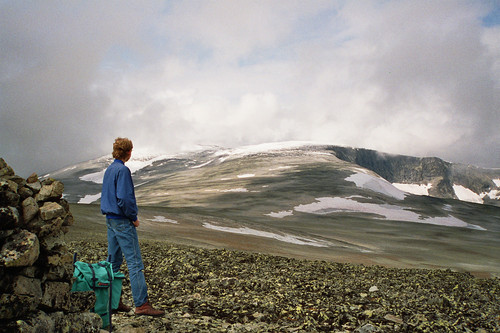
(163,219)
(134,164)
(466,194)
(417,189)
(247,175)
(95,177)
(281,168)
(280,237)
(240,189)
(497,182)
(327,205)
(493,194)
(281,214)
(89,198)
(201,165)
(376,184)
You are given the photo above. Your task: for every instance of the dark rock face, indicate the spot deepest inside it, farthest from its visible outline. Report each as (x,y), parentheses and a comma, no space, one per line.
(414,170)
(36,267)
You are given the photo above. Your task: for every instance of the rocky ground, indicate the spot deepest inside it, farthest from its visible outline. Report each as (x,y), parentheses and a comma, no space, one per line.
(217,290)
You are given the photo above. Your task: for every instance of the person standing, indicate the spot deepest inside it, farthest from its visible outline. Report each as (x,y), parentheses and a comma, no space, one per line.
(119,205)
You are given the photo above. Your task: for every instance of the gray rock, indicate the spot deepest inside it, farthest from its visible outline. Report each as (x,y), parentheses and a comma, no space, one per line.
(45,228)
(23,285)
(25,192)
(81,301)
(53,191)
(30,209)
(33,178)
(21,249)
(368,328)
(53,241)
(9,218)
(5,170)
(34,187)
(15,306)
(39,322)
(55,295)
(76,322)
(51,210)
(56,273)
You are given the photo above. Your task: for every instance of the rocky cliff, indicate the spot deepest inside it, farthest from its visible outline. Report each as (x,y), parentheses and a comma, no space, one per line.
(442,175)
(36,267)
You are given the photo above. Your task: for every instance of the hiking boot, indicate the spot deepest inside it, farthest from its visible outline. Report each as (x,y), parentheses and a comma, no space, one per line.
(122,307)
(147,310)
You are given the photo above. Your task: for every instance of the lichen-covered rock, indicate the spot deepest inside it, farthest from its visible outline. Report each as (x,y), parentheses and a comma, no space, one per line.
(80,301)
(33,178)
(53,191)
(37,323)
(34,187)
(51,210)
(56,273)
(59,259)
(88,322)
(5,169)
(9,218)
(52,241)
(45,228)
(55,295)
(21,249)
(36,267)
(30,209)
(15,306)
(23,285)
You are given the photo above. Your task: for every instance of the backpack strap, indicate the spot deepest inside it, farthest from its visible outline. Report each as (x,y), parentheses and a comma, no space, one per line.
(94,279)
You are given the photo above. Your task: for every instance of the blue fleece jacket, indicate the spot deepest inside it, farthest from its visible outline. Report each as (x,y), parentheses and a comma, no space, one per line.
(118,196)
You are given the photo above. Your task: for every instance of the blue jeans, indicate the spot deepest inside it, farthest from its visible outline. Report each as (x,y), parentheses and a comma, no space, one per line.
(123,241)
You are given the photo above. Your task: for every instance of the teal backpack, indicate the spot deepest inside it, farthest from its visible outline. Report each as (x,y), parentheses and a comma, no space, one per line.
(107,286)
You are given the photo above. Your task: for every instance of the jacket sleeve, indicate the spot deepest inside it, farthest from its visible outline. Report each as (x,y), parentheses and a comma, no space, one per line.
(125,194)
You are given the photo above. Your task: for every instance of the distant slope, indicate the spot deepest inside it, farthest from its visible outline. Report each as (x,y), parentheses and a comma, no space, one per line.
(304,200)
(423,176)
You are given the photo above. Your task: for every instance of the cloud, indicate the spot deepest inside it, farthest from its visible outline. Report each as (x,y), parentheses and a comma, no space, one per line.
(410,77)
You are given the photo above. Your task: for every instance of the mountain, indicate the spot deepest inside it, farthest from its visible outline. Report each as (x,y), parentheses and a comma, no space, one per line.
(314,201)
(422,176)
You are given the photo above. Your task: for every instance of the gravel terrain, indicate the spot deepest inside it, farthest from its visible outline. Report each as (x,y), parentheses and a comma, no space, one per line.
(218,290)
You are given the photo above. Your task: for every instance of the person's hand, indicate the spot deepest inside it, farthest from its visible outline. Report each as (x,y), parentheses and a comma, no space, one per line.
(136,223)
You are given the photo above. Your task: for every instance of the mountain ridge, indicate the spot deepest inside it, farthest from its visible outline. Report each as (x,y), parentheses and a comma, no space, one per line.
(300,199)
(417,175)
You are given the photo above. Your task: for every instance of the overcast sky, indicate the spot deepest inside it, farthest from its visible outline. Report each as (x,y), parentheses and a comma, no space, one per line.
(410,77)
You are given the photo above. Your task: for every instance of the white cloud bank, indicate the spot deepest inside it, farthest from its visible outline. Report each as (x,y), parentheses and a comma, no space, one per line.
(413,77)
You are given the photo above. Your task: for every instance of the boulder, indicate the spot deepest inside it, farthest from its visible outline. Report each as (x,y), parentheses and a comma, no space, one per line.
(5,170)
(81,301)
(33,178)
(55,295)
(9,218)
(15,306)
(23,285)
(34,187)
(37,322)
(51,210)
(8,195)
(76,322)
(53,241)
(30,209)
(45,228)
(53,191)
(20,249)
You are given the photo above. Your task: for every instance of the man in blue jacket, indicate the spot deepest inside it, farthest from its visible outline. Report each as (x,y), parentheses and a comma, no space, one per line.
(119,205)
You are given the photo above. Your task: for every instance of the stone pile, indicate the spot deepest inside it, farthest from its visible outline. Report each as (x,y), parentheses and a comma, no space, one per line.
(36,267)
